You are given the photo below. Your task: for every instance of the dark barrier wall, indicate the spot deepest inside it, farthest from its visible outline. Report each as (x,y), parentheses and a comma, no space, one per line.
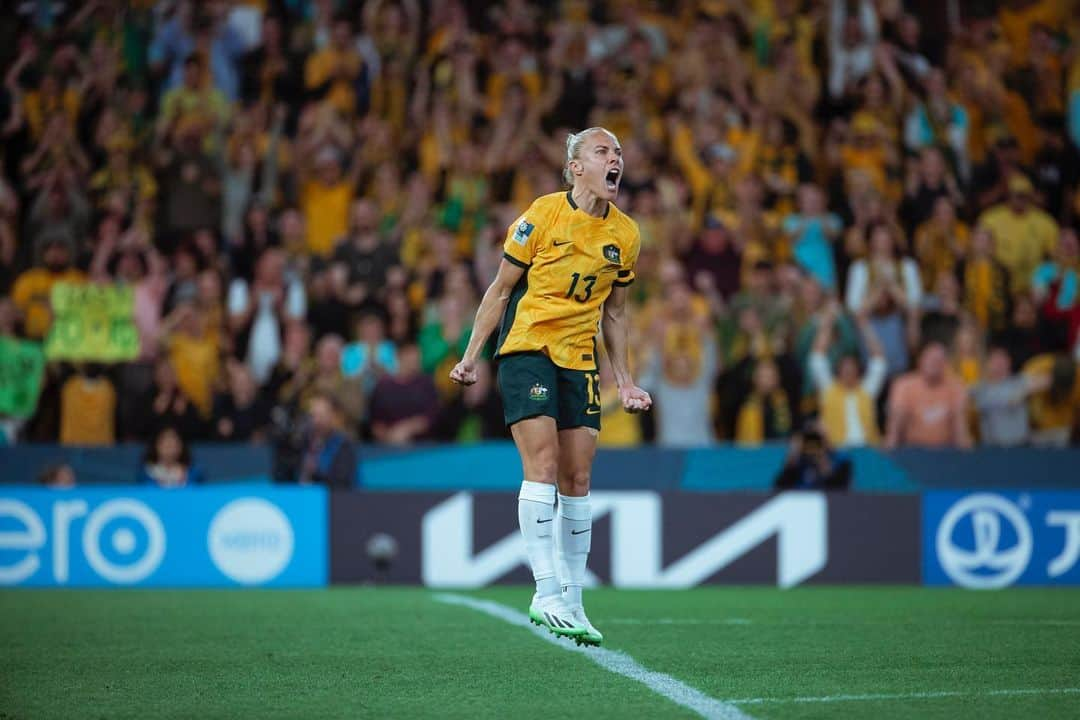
(119,465)
(640,538)
(1023,469)
(495,466)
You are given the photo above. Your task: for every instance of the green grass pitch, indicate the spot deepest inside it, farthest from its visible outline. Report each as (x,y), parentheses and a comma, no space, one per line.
(398,653)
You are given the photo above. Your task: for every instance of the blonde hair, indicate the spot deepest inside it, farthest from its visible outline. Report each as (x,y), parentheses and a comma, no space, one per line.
(574,141)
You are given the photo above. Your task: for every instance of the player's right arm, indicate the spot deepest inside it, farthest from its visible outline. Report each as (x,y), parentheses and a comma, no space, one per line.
(488,315)
(522,239)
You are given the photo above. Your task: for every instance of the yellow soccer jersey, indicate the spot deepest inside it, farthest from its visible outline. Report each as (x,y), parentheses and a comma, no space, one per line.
(571,261)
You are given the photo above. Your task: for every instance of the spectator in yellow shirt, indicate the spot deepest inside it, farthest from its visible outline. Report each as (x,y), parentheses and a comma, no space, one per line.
(193,351)
(985,283)
(33,287)
(767,412)
(866,152)
(1024,235)
(1017,17)
(331,73)
(49,100)
(88,409)
(516,66)
(941,241)
(131,180)
(194,103)
(325,198)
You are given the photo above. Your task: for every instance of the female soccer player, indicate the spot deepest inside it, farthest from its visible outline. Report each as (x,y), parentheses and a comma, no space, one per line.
(567,257)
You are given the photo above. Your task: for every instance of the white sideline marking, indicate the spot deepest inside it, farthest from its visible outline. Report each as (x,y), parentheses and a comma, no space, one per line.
(613,661)
(745,621)
(1051,623)
(906,696)
(676,621)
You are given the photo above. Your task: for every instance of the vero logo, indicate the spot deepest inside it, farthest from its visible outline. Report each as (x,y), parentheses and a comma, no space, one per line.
(250,541)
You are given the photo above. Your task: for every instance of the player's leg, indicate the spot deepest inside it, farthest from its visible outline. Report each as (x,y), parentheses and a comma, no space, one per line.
(538,445)
(573,532)
(528,386)
(579,426)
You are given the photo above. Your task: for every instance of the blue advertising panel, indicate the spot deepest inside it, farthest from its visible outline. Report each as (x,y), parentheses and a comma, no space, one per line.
(990,539)
(224,536)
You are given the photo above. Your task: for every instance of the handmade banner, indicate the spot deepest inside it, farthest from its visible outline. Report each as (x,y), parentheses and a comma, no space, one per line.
(22,365)
(92,322)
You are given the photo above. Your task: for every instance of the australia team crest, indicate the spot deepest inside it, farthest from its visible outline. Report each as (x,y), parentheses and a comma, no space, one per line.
(612,254)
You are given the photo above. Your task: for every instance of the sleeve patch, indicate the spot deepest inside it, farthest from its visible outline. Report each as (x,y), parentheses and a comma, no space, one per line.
(523,231)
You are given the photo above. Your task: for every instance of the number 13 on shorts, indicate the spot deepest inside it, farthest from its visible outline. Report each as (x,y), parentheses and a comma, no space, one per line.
(592,385)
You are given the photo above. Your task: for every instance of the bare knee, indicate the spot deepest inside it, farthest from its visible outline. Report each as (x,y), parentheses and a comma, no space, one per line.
(575,483)
(538,445)
(545,473)
(542,467)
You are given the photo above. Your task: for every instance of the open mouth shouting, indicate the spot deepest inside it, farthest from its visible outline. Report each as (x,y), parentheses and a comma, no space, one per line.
(611,180)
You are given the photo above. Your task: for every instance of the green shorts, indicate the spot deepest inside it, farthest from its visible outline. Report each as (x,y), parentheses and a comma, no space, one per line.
(531,385)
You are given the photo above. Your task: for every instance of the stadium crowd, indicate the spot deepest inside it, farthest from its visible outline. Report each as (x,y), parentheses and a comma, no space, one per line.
(863,211)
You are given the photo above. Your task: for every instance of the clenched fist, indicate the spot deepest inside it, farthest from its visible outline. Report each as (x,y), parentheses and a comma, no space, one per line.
(464,372)
(634,399)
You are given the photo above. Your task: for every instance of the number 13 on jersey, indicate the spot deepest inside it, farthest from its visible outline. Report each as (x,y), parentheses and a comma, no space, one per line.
(586,290)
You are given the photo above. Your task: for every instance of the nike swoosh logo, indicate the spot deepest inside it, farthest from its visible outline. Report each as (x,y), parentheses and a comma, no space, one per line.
(582,532)
(592,411)
(541,522)
(556,243)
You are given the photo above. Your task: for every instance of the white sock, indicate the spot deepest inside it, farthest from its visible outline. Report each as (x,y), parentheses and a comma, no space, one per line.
(536,513)
(573,540)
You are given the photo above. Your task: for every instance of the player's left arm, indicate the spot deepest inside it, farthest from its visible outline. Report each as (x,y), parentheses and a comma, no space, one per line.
(615,324)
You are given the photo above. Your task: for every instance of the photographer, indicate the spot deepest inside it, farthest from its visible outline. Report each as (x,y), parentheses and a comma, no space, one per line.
(812,465)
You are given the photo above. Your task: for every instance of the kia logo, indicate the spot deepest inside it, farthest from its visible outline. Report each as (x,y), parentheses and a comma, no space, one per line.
(984,542)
